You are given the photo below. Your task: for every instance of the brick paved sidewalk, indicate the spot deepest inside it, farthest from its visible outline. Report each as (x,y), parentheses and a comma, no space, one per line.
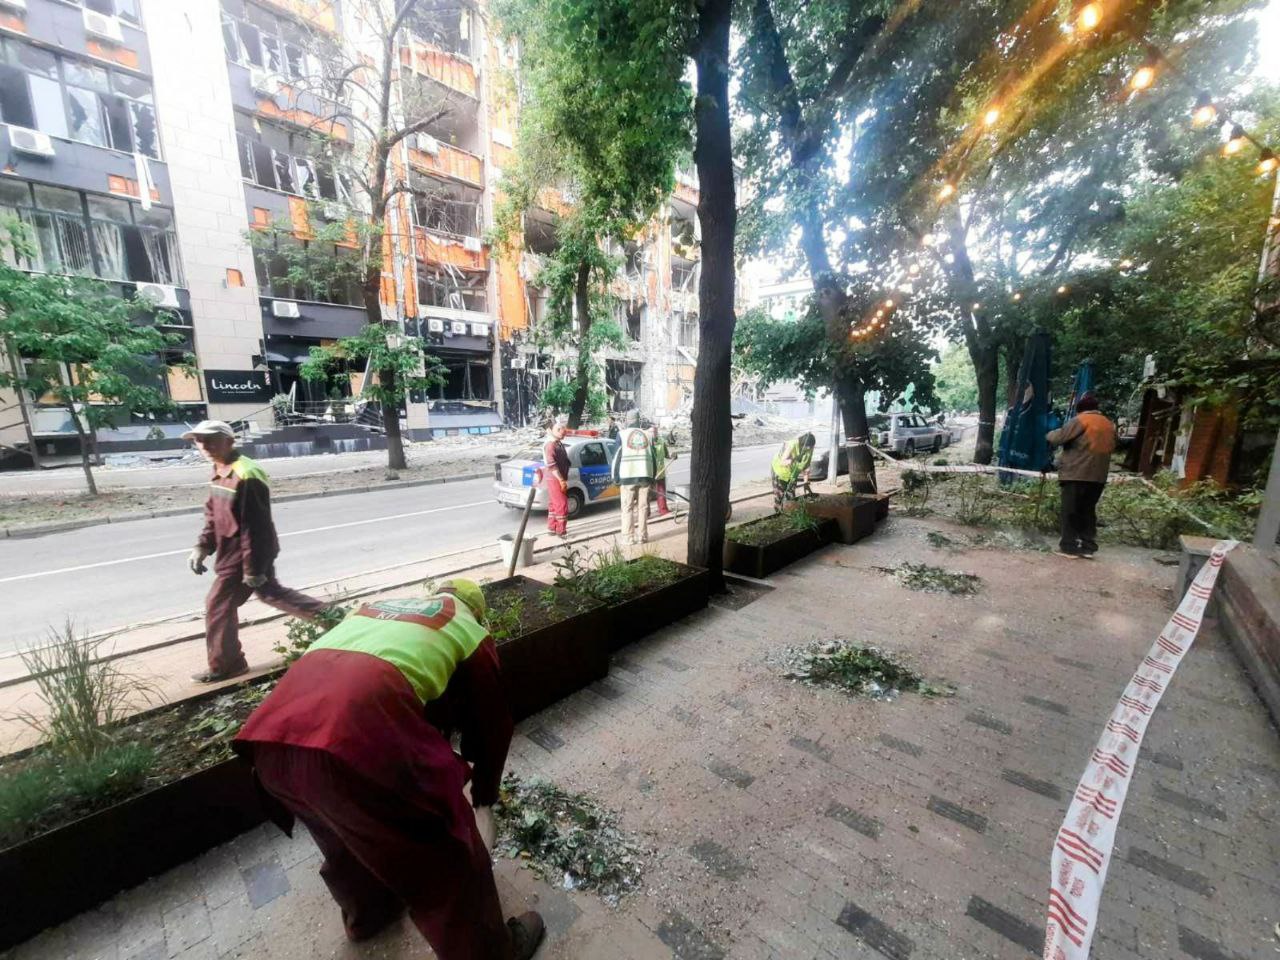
(789,822)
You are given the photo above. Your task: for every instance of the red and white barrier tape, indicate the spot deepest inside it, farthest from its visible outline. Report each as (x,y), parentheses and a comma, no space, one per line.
(1082,850)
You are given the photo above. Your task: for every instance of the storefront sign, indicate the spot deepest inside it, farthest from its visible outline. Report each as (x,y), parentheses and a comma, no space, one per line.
(237,386)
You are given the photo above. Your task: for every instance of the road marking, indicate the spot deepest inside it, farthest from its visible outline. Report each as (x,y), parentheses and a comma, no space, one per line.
(294,533)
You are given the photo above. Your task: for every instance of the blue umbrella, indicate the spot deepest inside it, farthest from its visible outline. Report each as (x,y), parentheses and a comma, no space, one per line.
(1022,442)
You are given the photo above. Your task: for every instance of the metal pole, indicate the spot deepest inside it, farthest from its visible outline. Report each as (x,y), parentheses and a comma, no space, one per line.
(524,520)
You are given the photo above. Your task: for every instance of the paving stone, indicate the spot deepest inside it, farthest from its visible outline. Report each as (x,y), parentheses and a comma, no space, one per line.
(1201,947)
(186,925)
(875,933)
(233,923)
(993,654)
(1187,803)
(688,718)
(671,663)
(739,594)
(545,739)
(811,747)
(265,882)
(1028,782)
(988,721)
(1168,870)
(719,860)
(1077,664)
(1167,760)
(1008,925)
(730,773)
(867,826)
(902,746)
(1051,705)
(686,941)
(953,811)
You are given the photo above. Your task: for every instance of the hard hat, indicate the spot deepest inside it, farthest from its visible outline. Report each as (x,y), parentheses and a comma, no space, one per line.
(469,592)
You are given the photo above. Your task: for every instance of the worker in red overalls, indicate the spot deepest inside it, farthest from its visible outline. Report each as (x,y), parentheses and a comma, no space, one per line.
(238,531)
(354,742)
(555,474)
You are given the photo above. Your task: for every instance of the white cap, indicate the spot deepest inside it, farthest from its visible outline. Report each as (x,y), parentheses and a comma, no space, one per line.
(210,428)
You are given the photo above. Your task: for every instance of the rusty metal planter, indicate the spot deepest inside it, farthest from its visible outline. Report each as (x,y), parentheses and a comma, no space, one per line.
(760,561)
(855,515)
(654,609)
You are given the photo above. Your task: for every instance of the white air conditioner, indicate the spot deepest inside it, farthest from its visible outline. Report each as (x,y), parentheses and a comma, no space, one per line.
(159,294)
(25,140)
(427,144)
(435,326)
(458,327)
(472,244)
(100,25)
(285,308)
(479,329)
(503,137)
(517,363)
(14,4)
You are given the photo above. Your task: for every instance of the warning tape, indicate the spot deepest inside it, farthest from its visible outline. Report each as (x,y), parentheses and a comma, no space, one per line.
(1082,849)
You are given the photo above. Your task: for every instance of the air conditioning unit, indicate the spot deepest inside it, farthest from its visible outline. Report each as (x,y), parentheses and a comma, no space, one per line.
(25,140)
(517,363)
(472,244)
(100,25)
(285,308)
(263,82)
(435,326)
(428,144)
(458,327)
(161,295)
(479,329)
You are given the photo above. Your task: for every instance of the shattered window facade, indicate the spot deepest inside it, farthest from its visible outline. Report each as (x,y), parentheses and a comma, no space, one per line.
(278,158)
(255,37)
(448,29)
(452,289)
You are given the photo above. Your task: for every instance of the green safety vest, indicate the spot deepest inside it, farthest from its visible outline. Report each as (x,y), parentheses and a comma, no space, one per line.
(800,456)
(247,469)
(424,639)
(636,460)
(661,453)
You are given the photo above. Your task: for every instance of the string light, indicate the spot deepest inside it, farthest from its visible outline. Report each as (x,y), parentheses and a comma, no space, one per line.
(928,240)
(977,306)
(1143,77)
(1125,264)
(946,191)
(914,269)
(1267,162)
(990,117)
(1063,289)
(1017,297)
(1089,17)
(888,304)
(1235,142)
(1204,112)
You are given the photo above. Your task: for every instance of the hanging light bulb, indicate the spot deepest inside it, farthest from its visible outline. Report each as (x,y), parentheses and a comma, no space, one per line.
(1267,162)
(1204,112)
(1063,289)
(1017,297)
(1089,17)
(888,304)
(990,117)
(1143,77)
(946,191)
(1235,142)
(914,270)
(1125,264)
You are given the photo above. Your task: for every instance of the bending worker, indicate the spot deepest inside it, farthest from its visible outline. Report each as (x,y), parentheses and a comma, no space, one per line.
(238,530)
(791,464)
(633,471)
(344,744)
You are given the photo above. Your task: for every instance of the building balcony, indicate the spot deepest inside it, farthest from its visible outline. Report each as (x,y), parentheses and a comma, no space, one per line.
(445,68)
(441,159)
(466,253)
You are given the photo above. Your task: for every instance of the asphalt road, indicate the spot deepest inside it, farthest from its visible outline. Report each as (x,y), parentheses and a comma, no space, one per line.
(112,575)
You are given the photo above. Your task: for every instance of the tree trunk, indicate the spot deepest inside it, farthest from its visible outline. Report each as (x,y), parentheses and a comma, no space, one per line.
(1013,349)
(986,365)
(712,427)
(84,450)
(391,423)
(582,375)
(853,406)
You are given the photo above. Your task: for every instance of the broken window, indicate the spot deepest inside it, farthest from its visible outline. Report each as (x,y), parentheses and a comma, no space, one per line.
(446,29)
(279,159)
(254,37)
(452,289)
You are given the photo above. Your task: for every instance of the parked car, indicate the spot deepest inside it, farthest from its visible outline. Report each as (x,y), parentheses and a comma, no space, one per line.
(907,433)
(590,475)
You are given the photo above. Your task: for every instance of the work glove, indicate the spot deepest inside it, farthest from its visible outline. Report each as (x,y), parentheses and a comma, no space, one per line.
(255,581)
(487,827)
(195,560)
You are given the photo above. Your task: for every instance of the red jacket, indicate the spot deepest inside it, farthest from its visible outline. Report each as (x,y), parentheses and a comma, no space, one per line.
(237,520)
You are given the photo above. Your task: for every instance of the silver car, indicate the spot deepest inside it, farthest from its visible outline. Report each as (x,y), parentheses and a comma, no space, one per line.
(907,433)
(590,475)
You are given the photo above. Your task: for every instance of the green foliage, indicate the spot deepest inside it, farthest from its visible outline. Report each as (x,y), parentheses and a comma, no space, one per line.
(854,669)
(35,792)
(329,265)
(384,350)
(610,577)
(766,530)
(504,616)
(566,838)
(111,345)
(301,634)
(922,576)
(954,379)
(82,693)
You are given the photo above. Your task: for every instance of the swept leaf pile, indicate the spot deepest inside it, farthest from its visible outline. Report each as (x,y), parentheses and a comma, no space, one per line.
(854,668)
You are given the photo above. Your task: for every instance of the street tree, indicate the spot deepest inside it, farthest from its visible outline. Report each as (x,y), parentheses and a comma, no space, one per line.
(75,343)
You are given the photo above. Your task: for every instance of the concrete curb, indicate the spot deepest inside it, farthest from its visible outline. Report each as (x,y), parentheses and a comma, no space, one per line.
(39,530)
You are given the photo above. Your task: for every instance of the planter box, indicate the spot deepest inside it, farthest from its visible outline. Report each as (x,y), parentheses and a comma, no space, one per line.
(51,878)
(855,516)
(882,505)
(651,611)
(550,662)
(759,562)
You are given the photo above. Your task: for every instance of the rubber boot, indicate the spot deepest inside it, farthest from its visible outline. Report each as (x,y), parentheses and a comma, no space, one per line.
(526,932)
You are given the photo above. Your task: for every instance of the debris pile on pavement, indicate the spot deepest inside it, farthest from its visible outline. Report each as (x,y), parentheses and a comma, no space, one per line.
(567,839)
(855,669)
(922,576)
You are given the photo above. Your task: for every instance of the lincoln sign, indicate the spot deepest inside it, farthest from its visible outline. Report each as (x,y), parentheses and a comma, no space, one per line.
(237,386)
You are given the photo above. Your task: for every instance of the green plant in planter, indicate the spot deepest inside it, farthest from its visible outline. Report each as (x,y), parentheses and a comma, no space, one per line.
(766,530)
(504,615)
(611,578)
(301,634)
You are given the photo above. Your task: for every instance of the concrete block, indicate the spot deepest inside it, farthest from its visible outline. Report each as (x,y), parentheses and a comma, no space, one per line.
(1249,611)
